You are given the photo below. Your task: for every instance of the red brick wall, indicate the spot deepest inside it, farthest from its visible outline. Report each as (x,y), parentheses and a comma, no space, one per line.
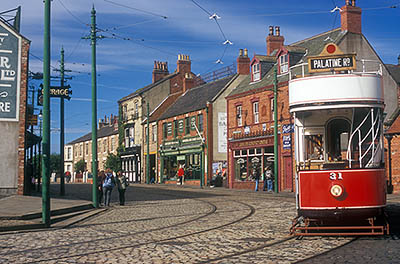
(192,133)
(263,96)
(351,19)
(22,116)
(395,145)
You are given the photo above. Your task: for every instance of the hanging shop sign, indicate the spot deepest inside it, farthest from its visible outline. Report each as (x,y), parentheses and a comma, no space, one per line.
(331,59)
(10,73)
(57,91)
(287,128)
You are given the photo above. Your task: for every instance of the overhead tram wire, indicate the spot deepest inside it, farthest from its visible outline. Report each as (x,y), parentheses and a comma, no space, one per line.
(74,16)
(136,9)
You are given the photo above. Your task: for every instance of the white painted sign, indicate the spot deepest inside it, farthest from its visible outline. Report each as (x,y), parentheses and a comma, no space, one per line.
(222,133)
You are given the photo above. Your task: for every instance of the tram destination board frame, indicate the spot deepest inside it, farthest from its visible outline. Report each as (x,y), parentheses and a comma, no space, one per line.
(332,63)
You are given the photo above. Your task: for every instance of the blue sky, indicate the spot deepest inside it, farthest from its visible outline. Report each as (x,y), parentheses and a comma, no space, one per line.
(126,65)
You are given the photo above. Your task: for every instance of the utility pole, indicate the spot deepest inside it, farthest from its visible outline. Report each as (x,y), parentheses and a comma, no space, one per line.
(276,129)
(46,117)
(62,178)
(93,38)
(148,145)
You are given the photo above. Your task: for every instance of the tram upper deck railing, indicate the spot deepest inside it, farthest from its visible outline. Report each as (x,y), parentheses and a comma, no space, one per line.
(364,67)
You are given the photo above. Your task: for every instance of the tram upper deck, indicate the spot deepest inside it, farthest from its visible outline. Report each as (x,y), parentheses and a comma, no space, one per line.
(338,118)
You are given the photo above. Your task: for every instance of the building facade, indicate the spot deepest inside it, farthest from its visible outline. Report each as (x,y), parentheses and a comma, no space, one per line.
(14,55)
(250,105)
(81,148)
(134,109)
(185,133)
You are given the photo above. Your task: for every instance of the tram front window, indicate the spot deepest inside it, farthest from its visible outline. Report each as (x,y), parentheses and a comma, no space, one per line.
(314,147)
(337,138)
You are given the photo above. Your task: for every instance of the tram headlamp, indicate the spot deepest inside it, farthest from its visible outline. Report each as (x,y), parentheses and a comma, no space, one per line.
(336,190)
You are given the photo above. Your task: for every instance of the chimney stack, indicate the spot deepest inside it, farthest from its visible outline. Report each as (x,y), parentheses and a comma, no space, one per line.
(183,64)
(160,70)
(274,41)
(350,16)
(188,82)
(243,62)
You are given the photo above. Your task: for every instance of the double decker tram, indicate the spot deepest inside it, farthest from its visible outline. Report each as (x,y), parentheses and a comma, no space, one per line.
(339,151)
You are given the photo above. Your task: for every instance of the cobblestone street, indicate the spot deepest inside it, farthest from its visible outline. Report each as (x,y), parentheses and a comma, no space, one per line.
(169,224)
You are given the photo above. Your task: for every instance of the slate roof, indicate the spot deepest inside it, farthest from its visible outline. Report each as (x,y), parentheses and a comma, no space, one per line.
(196,98)
(308,47)
(102,132)
(147,87)
(163,107)
(394,71)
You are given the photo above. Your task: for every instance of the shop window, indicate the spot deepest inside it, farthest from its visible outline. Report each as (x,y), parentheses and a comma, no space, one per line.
(241,169)
(258,151)
(193,122)
(252,152)
(243,152)
(236,153)
(255,113)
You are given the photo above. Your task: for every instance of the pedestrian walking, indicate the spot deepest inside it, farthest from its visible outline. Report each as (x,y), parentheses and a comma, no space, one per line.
(181,173)
(108,185)
(256,175)
(100,180)
(268,174)
(122,184)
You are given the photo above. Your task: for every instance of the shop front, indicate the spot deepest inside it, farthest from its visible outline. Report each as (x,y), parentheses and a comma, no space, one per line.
(130,159)
(186,153)
(247,157)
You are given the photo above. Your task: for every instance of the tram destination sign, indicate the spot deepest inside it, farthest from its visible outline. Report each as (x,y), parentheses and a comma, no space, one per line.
(336,63)
(10,73)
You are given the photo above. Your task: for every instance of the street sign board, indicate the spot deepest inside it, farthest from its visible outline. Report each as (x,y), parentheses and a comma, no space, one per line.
(58,91)
(331,59)
(32,120)
(10,73)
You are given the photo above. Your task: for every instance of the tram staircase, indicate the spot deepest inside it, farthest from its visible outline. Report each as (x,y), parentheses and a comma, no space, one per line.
(368,151)
(60,218)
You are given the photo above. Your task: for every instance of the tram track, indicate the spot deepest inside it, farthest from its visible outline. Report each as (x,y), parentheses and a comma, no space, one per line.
(213,209)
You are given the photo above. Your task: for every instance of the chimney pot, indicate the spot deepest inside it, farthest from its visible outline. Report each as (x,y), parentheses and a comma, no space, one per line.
(245,53)
(241,52)
(271,30)
(398,60)
(347,2)
(277,31)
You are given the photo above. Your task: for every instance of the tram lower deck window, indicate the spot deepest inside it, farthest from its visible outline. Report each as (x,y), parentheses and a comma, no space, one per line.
(314,147)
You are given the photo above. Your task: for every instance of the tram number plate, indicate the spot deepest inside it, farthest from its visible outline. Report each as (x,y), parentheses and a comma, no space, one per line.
(335,176)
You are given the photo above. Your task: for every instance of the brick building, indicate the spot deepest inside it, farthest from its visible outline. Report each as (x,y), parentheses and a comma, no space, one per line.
(81,148)
(250,105)
(188,132)
(133,111)
(14,53)
(392,135)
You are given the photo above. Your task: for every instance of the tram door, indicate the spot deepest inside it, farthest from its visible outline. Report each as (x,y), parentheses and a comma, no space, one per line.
(288,172)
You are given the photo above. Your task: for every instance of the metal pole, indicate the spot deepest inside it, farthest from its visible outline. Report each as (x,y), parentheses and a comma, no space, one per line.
(62,178)
(46,118)
(94,110)
(148,146)
(40,152)
(276,129)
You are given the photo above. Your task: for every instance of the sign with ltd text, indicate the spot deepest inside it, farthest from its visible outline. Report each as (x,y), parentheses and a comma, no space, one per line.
(10,73)
(331,59)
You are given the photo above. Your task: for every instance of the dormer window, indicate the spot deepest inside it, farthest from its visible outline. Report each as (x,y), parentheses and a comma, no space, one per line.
(284,63)
(256,72)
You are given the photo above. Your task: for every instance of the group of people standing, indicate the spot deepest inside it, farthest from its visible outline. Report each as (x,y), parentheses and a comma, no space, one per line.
(105,184)
(268,177)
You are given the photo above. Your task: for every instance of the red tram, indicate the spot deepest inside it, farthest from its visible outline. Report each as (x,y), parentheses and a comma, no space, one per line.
(338,124)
